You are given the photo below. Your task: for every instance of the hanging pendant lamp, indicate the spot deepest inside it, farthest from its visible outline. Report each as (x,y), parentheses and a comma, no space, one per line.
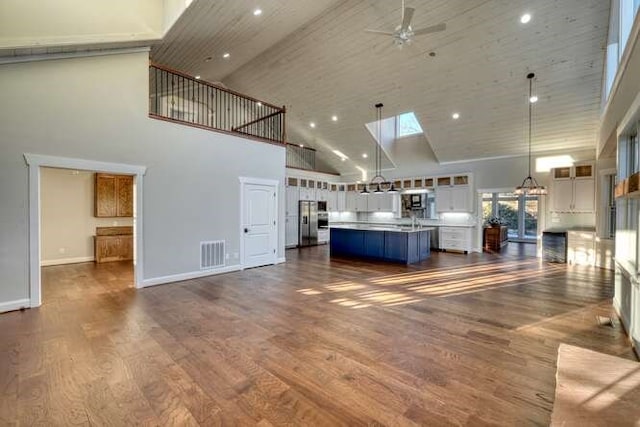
(530,186)
(378,180)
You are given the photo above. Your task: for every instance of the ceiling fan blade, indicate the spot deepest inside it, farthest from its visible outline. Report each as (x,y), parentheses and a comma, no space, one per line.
(429,30)
(406,18)
(384,33)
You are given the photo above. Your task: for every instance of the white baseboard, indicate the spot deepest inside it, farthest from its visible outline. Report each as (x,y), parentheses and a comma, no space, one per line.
(281,260)
(14,305)
(49,262)
(188,276)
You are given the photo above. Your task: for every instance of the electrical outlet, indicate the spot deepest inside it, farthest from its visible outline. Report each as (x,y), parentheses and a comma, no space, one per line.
(62,250)
(226,256)
(235,255)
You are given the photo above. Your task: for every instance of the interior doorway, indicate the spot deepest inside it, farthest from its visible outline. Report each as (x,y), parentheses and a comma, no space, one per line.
(87,232)
(39,163)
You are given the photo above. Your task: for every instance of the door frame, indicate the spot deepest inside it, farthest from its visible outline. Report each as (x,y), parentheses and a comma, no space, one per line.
(259,181)
(37,161)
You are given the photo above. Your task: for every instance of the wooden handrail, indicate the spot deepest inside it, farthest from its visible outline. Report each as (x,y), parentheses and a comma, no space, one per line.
(253,122)
(206,83)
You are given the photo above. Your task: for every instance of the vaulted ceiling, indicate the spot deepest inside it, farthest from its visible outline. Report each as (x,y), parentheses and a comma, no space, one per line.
(315,58)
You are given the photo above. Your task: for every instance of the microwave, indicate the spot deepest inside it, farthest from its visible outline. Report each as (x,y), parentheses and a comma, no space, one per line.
(417,201)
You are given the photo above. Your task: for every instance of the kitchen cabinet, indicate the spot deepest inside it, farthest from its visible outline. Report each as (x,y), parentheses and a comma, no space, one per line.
(291,231)
(362,202)
(113,195)
(453,199)
(573,189)
(350,201)
(113,244)
(455,238)
(293,197)
(386,202)
(581,247)
(341,201)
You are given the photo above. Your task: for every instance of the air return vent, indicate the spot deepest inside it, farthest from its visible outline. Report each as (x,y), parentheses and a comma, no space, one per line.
(212,254)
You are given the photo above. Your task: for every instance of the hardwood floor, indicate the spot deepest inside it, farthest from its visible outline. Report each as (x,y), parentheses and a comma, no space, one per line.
(457,340)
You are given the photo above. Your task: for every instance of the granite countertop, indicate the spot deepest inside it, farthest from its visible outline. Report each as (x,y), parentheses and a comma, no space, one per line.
(373,227)
(389,224)
(566,229)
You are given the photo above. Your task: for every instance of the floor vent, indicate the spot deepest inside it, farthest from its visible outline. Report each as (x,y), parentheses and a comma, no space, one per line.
(212,254)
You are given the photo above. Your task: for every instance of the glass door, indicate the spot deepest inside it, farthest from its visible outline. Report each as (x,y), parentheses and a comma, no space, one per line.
(518,213)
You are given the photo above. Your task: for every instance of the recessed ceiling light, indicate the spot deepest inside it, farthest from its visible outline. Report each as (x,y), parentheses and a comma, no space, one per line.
(259,104)
(301,145)
(334,118)
(257,12)
(455,116)
(226,55)
(343,159)
(526,18)
(365,155)
(533,99)
(312,124)
(198,77)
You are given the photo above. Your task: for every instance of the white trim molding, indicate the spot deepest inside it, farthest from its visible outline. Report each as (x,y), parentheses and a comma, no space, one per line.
(63,261)
(188,276)
(37,161)
(69,55)
(14,305)
(281,260)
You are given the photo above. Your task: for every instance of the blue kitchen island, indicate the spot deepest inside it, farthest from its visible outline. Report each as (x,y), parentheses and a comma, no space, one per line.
(405,245)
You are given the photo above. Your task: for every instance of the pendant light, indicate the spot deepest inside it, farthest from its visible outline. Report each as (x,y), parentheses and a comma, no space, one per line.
(530,186)
(378,180)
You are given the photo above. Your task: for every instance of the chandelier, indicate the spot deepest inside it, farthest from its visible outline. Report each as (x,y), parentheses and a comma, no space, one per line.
(379,181)
(530,185)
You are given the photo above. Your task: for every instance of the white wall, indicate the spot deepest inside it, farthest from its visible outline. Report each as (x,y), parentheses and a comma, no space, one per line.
(36,24)
(97,108)
(67,216)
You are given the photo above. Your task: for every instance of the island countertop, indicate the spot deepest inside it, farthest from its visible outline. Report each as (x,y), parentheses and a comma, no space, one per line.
(384,243)
(373,227)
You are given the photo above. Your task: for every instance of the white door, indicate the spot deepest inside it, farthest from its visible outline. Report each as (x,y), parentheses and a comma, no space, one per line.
(259,229)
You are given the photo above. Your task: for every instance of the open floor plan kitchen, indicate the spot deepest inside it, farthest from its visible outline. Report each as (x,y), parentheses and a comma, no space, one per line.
(320,212)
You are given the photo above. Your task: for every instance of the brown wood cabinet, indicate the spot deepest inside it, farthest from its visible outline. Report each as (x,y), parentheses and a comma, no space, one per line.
(113,244)
(113,195)
(495,238)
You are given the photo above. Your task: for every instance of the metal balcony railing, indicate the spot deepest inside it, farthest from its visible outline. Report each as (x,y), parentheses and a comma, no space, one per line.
(301,157)
(178,97)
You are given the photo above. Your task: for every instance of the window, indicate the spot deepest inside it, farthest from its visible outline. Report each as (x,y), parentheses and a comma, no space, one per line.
(610,206)
(407,124)
(519,213)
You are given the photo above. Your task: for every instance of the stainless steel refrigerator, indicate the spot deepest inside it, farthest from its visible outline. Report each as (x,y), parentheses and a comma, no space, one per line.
(308,227)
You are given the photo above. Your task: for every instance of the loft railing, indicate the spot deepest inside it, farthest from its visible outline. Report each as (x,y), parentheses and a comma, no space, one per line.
(301,157)
(178,97)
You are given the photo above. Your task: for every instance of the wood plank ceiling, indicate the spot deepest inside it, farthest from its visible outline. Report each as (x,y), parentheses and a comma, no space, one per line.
(330,66)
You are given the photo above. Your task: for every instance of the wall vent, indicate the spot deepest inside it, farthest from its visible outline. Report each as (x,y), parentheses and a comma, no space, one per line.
(212,254)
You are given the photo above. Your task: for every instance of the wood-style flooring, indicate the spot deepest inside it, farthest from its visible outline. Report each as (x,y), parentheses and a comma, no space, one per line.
(457,340)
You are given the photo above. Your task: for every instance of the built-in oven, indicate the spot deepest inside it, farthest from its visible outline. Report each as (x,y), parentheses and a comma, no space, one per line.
(323,219)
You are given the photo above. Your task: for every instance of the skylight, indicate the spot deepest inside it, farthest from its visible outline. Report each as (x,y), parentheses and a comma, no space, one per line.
(407,124)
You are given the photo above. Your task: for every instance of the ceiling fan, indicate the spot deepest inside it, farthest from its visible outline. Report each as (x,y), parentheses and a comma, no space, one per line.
(403,33)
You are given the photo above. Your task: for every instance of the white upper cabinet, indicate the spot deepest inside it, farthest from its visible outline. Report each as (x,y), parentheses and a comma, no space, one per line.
(573,189)
(453,194)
